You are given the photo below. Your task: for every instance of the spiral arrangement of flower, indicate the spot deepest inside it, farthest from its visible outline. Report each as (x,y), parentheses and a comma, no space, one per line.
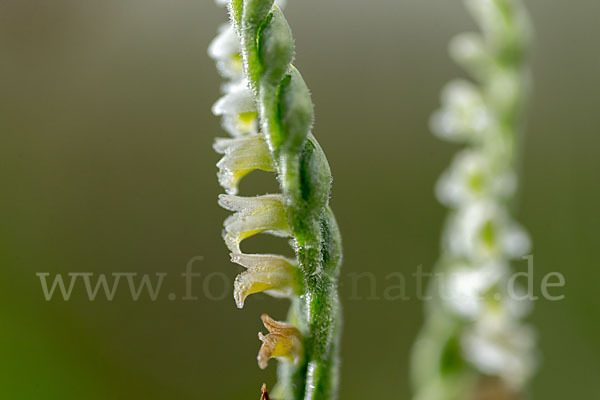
(267,110)
(474,343)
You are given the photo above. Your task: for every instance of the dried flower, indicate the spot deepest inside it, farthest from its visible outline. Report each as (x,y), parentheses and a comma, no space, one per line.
(282,341)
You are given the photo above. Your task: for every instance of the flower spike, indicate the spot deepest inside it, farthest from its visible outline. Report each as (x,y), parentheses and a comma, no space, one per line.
(282,341)
(275,275)
(475,323)
(267,109)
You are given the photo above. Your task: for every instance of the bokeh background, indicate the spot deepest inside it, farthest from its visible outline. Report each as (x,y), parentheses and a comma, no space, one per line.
(106,166)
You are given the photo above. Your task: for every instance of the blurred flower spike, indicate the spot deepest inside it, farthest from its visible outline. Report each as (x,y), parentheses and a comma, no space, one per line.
(477,324)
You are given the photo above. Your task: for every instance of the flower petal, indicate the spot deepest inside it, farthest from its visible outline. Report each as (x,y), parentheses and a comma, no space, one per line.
(470,51)
(498,345)
(473,176)
(238,109)
(483,229)
(225,49)
(238,99)
(464,114)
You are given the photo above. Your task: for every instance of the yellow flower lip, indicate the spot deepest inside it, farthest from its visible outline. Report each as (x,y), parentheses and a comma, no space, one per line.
(282,341)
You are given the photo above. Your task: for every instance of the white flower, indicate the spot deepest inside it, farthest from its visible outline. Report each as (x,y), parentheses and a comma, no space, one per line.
(505,90)
(491,18)
(464,115)
(472,176)
(272,274)
(238,109)
(253,215)
(238,99)
(241,124)
(482,230)
(225,49)
(241,156)
(468,285)
(497,344)
(471,51)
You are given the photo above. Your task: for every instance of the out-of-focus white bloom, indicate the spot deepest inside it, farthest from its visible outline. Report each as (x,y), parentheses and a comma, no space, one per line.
(468,285)
(238,99)
(272,274)
(238,109)
(241,156)
(480,237)
(464,115)
(225,49)
(504,91)
(253,215)
(282,341)
(470,51)
(497,344)
(471,177)
(490,18)
(483,230)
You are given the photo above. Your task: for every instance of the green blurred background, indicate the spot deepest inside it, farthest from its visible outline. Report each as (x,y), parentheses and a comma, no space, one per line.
(106,166)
